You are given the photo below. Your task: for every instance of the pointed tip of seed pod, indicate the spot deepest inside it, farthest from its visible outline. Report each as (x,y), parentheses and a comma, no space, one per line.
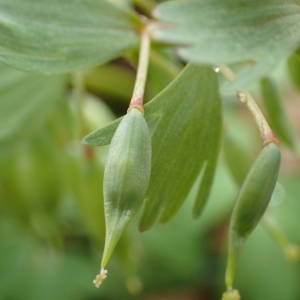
(231,295)
(100,278)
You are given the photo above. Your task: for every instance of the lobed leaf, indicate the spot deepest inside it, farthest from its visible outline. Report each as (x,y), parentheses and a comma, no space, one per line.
(229,31)
(62,35)
(185,122)
(262,33)
(213,148)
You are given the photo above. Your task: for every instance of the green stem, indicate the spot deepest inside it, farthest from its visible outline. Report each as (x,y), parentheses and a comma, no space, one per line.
(137,99)
(291,251)
(272,227)
(225,71)
(265,130)
(234,245)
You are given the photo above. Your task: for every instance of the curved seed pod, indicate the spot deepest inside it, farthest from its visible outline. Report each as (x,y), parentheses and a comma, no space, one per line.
(252,201)
(239,159)
(126,179)
(276,114)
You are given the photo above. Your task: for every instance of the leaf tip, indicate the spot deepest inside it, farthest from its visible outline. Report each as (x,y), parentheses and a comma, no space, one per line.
(147,221)
(100,278)
(197,211)
(143,228)
(195,215)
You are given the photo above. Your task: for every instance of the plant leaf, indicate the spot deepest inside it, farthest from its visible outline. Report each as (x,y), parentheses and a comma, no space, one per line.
(62,35)
(248,73)
(276,114)
(262,33)
(229,31)
(25,100)
(293,64)
(102,136)
(212,148)
(185,121)
(209,135)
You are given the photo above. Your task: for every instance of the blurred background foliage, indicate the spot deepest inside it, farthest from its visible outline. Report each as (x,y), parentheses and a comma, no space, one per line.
(51,213)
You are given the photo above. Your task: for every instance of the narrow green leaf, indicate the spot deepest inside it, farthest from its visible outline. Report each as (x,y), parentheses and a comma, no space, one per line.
(213,148)
(102,136)
(210,133)
(189,110)
(294,68)
(62,35)
(276,113)
(25,100)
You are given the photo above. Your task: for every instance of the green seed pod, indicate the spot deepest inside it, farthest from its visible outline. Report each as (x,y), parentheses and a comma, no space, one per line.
(126,179)
(252,202)
(276,114)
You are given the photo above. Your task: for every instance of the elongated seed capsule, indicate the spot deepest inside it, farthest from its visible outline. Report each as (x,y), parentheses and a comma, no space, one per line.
(239,159)
(126,179)
(276,114)
(252,201)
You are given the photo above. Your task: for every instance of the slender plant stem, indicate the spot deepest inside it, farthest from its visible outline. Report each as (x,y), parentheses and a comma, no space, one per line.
(272,227)
(225,71)
(137,99)
(230,268)
(265,130)
(234,245)
(291,250)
